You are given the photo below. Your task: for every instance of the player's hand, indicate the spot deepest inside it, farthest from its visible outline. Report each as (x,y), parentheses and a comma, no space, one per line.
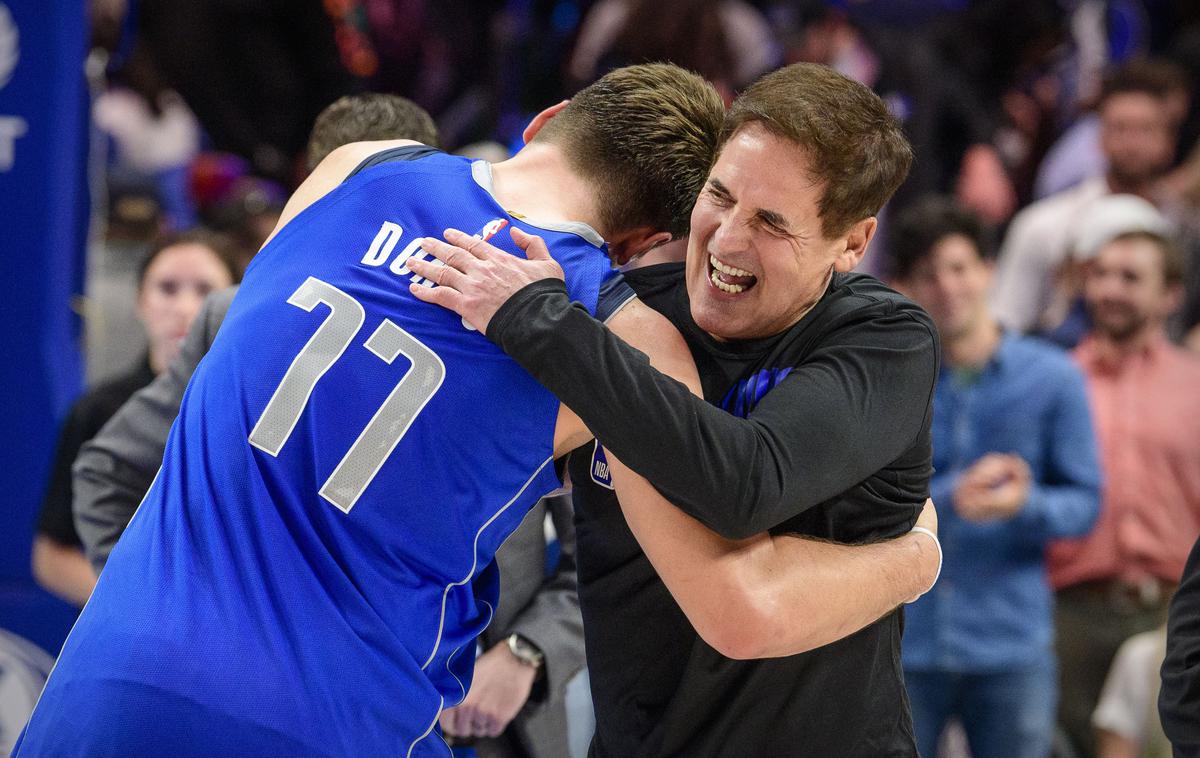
(498,692)
(994,487)
(474,278)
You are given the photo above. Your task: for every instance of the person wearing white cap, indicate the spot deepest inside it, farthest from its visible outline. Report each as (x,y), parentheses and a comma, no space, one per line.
(1066,320)
(1137,136)
(1117,581)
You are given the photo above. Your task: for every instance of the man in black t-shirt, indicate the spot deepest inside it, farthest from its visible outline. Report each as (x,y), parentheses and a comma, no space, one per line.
(661,690)
(821,382)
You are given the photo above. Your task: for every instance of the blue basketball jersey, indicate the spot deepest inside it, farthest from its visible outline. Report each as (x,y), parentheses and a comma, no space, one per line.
(310,569)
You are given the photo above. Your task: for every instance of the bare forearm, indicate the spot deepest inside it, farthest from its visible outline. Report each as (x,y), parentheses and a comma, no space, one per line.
(771,596)
(62,570)
(818,592)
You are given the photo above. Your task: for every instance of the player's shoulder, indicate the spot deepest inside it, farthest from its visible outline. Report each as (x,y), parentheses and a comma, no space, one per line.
(329,174)
(652,333)
(343,160)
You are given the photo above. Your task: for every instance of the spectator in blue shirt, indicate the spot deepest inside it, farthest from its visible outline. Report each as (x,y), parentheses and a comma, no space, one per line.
(1016,467)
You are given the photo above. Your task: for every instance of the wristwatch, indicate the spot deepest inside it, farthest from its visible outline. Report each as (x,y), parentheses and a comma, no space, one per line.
(525,651)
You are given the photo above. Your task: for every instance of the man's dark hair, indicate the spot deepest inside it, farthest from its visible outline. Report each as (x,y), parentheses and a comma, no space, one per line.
(1157,78)
(855,146)
(221,246)
(646,137)
(925,223)
(368,116)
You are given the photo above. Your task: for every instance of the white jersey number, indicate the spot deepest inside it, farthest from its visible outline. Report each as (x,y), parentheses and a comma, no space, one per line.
(389,424)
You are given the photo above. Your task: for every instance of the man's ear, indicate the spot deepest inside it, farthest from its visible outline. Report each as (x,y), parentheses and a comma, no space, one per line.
(855,244)
(540,120)
(625,247)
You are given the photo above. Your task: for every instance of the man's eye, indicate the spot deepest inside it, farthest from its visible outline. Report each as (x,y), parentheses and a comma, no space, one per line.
(774,229)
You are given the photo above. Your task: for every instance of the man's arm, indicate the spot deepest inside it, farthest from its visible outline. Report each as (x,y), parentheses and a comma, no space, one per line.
(115,468)
(62,570)
(1067,502)
(854,406)
(771,596)
(764,596)
(57,559)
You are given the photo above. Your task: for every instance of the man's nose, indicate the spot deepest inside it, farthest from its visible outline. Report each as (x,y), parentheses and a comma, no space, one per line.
(731,235)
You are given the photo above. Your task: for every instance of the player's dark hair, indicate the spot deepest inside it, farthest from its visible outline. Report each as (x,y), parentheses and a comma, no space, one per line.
(854,146)
(368,116)
(646,137)
(928,221)
(222,246)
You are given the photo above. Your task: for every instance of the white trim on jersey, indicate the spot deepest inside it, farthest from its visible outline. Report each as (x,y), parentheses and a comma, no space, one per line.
(457,650)
(437,643)
(428,731)
(618,309)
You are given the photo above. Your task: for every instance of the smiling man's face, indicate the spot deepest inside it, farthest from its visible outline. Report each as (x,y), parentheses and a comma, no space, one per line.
(757,258)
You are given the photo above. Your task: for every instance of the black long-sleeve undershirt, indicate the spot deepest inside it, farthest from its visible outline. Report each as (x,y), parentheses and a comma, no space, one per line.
(848,411)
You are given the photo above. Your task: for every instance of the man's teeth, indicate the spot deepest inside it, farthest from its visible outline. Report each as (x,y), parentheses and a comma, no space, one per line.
(732,289)
(726,269)
(719,268)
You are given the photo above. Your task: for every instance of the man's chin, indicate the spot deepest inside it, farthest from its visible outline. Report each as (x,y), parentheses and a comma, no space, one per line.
(1117,332)
(718,319)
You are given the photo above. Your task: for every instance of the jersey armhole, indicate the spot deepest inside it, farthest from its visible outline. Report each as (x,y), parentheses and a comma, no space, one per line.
(393,155)
(615,294)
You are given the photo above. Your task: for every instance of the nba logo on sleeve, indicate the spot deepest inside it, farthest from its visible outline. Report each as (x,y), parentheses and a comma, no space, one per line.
(600,472)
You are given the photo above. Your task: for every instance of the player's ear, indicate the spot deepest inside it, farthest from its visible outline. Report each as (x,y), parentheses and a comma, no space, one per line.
(855,244)
(625,247)
(540,120)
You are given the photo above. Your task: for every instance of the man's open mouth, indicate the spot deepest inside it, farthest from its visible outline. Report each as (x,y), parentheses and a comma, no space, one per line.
(728,278)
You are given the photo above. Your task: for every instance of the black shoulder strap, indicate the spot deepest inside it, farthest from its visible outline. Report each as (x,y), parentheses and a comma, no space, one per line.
(402,153)
(615,292)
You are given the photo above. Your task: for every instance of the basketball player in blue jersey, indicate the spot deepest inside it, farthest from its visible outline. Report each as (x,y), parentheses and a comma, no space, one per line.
(310,569)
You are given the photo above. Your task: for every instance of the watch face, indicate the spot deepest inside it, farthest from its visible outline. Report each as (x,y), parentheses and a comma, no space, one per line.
(524,650)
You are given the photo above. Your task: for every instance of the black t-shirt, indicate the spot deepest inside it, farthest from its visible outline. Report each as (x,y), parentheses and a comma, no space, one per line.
(87,416)
(822,430)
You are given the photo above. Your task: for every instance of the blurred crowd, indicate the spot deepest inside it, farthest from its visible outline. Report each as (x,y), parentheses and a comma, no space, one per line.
(1050,226)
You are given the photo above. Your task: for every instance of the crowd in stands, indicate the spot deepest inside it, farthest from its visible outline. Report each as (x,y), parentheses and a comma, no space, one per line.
(1050,226)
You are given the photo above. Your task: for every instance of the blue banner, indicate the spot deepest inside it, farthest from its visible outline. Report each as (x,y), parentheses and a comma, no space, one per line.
(43,228)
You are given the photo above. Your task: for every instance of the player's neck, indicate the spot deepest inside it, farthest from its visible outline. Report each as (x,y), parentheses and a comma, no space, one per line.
(539,183)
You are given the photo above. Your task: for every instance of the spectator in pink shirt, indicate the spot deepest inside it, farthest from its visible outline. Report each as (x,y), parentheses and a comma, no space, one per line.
(1117,581)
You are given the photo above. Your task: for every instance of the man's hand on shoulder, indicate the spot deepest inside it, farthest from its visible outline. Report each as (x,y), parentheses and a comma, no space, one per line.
(474,278)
